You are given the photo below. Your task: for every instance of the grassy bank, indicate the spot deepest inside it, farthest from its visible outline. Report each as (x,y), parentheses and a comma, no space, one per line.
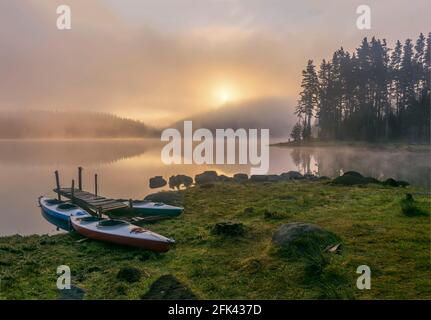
(368,219)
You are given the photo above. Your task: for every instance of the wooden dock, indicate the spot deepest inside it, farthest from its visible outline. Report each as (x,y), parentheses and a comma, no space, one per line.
(90,201)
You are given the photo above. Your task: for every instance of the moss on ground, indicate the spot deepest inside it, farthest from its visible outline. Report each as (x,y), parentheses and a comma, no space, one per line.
(368,220)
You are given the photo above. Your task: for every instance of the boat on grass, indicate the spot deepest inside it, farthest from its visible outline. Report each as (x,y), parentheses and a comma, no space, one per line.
(59,212)
(148,208)
(120,232)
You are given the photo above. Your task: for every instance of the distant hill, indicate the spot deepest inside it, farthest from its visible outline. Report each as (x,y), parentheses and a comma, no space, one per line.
(274,114)
(50,124)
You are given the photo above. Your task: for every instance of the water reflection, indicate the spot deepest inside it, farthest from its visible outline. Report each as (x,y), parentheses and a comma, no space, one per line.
(124,167)
(414,167)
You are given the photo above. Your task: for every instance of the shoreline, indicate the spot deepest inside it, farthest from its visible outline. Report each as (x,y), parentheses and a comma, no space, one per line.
(367,218)
(404,146)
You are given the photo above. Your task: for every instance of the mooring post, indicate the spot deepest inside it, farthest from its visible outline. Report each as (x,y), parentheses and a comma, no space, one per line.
(57,182)
(131,204)
(72,191)
(80,178)
(95,184)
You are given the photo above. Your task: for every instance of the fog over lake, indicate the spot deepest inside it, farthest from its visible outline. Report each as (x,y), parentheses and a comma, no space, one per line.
(125,166)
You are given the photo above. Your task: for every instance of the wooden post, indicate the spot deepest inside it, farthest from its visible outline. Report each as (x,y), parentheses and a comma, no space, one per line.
(80,178)
(95,184)
(131,204)
(72,191)
(57,182)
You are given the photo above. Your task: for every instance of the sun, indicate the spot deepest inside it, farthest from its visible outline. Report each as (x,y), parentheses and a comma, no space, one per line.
(224,95)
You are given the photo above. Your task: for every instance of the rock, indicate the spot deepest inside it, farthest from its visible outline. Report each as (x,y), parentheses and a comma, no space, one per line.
(207,186)
(259,178)
(370,180)
(353,173)
(206,177)
(223,178)
(348,180)
(291,175)
(168,287)
(180,180)
(74,293)
(129,275)
(240,177)
(391,183)
(310,176)
(323,178)
(274,178)
(351,178)
(228,229)
(157,182)
(169,197)
(300,237)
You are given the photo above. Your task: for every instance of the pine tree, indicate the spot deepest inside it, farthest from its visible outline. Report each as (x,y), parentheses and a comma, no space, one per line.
(296,132)
(308,98)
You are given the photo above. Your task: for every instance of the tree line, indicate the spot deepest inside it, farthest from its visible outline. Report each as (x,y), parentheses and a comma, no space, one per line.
(63,124)
(373,94)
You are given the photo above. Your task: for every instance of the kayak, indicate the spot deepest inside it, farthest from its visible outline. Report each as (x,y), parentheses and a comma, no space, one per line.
(59,212)
(120,232)
(149,208)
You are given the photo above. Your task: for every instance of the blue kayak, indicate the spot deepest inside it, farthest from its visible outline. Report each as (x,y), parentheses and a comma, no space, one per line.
(149,208)
(59,212)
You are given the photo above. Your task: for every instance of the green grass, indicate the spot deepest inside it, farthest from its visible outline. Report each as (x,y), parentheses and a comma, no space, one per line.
(368,220)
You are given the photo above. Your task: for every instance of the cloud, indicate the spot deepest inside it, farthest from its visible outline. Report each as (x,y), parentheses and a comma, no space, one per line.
(162,60)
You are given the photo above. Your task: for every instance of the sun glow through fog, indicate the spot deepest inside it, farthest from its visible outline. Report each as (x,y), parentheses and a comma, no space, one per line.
(224,94)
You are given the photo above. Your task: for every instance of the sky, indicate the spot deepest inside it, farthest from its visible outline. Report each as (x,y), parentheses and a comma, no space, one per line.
(163,60)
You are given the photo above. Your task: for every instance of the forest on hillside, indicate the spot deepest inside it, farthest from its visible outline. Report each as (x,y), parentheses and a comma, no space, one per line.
(372,94)
(51,124)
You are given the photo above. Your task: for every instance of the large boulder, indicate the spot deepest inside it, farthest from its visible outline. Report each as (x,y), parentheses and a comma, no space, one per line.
(157,182)
(168,287)
(291,175)
(310,176)
(259,178)
(175,182)
(240,177)
(224,178)
(206,177)
(300,238)
(391,182)
(370,180)
(348,180)
(351,178)
(274,178)
(169,197)
(353,173)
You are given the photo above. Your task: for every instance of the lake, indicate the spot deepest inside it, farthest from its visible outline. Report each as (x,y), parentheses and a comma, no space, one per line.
(125,166)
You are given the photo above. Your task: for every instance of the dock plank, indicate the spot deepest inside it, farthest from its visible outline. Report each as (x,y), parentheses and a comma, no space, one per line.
(91,201)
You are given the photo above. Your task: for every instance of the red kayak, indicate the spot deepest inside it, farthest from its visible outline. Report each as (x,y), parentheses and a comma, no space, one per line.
(120,232)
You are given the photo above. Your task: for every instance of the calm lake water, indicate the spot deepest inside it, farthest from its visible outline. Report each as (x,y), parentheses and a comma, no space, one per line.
(124,167)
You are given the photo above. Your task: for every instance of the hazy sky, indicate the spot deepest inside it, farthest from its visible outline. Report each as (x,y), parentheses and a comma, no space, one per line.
(161,60)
